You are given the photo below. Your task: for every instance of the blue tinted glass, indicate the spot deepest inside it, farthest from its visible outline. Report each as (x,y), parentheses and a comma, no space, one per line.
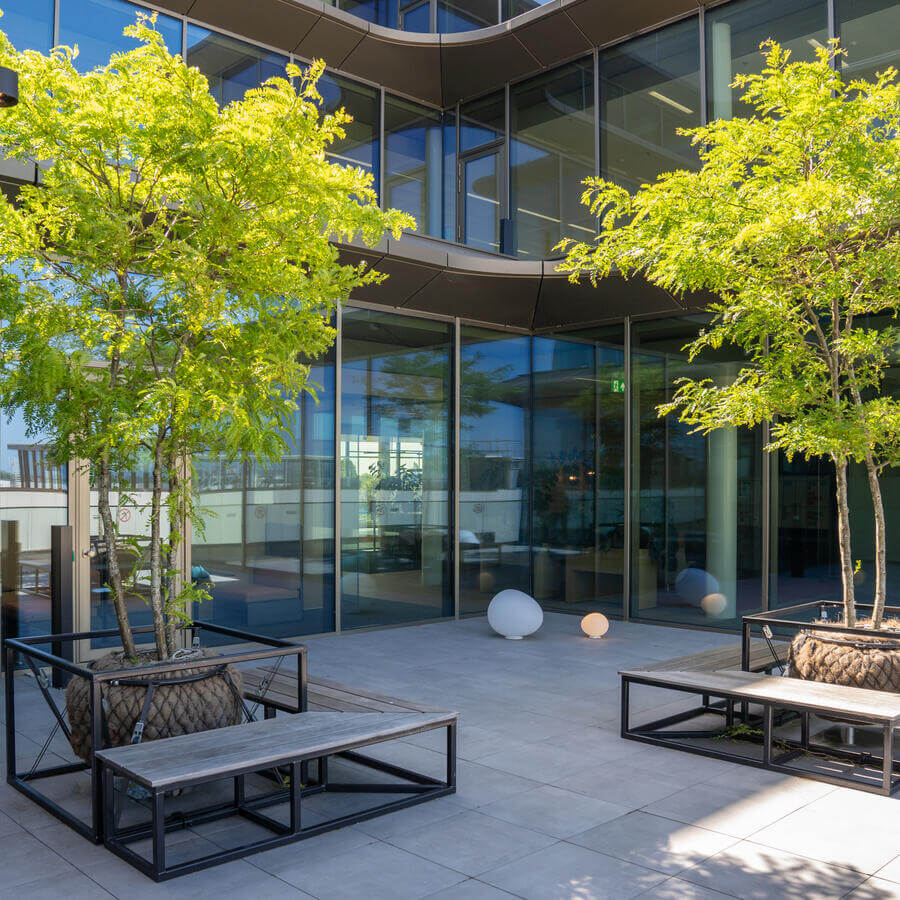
(413,162)
(482,121)
(360,145)
(449,232)
(417,18)
(512,8)
(96,26)
(28,23)
(465,15)
(232,67)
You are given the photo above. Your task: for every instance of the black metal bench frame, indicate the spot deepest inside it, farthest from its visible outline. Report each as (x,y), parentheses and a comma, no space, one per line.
(654,733)
(421,787)
(30,650)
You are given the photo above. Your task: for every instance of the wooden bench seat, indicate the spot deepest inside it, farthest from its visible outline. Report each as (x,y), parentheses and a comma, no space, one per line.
(771,693)
(721,658)
(287,742)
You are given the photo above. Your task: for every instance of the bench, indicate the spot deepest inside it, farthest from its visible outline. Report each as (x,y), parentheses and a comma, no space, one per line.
(760,659)
(233,753)
(857,706)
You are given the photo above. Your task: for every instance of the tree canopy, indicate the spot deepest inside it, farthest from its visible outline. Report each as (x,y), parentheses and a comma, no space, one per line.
(793,221)
(166,275)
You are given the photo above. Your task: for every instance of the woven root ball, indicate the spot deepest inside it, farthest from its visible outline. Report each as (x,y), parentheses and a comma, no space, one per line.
(855,660)
(178,708)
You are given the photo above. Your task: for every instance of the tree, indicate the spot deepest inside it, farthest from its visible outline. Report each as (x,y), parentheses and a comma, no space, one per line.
(793,222)
(164,279)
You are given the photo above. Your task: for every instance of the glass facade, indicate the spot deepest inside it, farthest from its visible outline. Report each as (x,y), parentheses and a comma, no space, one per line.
(266,549)
(868,30)
(33,497)
(232,67)
(96,27)
(355,526)
(494,461)
(551,152)
(414,163)
(696,504)
(395,469)
(649,88)
(735,31)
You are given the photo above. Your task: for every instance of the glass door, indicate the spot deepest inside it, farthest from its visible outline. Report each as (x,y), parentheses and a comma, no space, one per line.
(481,198)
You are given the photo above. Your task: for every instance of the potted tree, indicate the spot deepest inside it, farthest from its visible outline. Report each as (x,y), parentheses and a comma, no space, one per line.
(163,283)
(791,221)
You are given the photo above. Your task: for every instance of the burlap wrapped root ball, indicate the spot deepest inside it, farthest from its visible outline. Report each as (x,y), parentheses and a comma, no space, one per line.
(177,708)
(856,660)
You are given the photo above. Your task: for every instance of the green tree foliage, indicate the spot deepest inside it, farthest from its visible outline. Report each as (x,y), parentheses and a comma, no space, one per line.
(793,222)
(165,277)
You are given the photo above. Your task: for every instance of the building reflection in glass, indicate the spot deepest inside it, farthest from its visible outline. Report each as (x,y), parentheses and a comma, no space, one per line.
(494,534)
(395,469)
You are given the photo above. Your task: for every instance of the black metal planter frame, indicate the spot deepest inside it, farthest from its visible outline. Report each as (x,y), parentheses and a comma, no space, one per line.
(36,658)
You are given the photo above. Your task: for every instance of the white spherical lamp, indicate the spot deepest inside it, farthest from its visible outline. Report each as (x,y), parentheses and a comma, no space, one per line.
(595,625)
(514,614)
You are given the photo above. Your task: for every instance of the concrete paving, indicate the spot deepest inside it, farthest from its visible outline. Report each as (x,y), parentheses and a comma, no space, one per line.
(552,804)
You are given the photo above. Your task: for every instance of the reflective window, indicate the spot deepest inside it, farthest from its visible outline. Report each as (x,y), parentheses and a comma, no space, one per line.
(33,497)
(360,145)
(96,26)
(266,552)
(551,153)
(512,8)
(869,31)
(649,88)
(449,177)
(232,67)
(465,15)
(395,469)
(735,31)
(413,163)
(482,121)
(28,24)
(482,199)
(578,470)
(415,16)
(494,534)
(697,501)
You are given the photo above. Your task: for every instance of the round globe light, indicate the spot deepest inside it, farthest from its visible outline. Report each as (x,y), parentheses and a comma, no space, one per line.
(714,604)
(514,614)
(595,625)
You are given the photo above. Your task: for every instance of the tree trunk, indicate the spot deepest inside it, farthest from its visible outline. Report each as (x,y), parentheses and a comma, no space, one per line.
(880,543)
(156,597)
(104,486)
(175,526)
(843,509)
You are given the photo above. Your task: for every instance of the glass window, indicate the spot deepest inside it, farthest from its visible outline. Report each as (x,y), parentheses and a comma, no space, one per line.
(465,15)
(649,88)
(395,469)
(735,31)
(266,552)
(578,470)
(696,501)
(360,146)
(869,30)
(449,177)
(414,157)
(416,16)
(512,8)
(551,153)
(232,67)
(33,497)
(28,24)
(495,397)
(482,121)
(96,26)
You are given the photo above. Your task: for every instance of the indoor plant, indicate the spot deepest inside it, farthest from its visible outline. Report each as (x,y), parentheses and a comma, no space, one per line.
(161,286)
(791,221)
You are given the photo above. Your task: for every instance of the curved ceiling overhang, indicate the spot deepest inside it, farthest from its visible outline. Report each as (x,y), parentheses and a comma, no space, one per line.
(438,69)
(432,276)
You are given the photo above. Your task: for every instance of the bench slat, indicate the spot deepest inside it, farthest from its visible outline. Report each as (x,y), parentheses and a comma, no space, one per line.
(224,752)
(815,696)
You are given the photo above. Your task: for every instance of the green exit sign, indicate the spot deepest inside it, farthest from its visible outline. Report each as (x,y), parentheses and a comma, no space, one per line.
(618,386)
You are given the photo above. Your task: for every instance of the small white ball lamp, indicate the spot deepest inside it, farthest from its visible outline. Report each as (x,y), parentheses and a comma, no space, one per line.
(714,604)
(514,614)
(595,625)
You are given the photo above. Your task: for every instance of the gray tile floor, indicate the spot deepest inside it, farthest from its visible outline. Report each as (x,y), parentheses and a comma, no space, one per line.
(551,803)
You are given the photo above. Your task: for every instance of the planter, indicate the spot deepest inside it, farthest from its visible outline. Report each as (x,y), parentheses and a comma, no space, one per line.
(853,659)
(184,701)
